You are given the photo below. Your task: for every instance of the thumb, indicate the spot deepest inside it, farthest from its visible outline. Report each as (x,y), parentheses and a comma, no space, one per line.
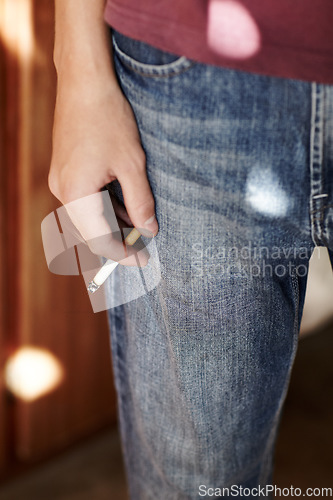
(139,201)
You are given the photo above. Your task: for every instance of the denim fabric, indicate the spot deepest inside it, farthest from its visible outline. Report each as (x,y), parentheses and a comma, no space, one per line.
(241,169)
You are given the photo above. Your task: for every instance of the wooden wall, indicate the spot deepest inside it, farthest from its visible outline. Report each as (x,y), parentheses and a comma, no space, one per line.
(39,308)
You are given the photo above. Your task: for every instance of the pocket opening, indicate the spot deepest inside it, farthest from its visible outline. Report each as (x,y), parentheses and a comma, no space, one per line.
(135,49)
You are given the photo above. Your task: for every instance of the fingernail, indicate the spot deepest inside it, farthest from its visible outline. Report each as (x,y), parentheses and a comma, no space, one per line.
(151,225)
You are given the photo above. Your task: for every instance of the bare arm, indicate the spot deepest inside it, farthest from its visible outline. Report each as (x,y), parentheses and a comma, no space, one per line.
(95,138)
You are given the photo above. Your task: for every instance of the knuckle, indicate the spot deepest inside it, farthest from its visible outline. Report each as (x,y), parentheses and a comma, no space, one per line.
(137,164)
(53,184)
(145,207)
(141,159)
(64,191)
(69,193)
(95,248)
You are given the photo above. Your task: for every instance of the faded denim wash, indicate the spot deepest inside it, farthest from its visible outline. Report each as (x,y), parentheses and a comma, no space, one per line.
(241,169)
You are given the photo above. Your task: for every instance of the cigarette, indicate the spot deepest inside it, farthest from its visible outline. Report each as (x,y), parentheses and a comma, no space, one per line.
(110,264)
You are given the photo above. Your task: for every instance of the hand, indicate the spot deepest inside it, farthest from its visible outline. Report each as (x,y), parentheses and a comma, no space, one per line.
(95,141)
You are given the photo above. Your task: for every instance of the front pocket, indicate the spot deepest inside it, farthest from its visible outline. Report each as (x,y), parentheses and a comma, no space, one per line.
(146,59)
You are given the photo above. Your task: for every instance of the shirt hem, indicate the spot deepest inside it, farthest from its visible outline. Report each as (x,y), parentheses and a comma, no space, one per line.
(289,62)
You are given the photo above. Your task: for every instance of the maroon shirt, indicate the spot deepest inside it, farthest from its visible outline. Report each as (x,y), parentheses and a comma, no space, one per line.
(287,38)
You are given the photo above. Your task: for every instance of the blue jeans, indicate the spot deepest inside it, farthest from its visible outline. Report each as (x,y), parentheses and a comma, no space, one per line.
(241,169)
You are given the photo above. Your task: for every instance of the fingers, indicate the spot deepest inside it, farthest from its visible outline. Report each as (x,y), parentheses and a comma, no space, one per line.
(91,150)
(121,212)
(139,201)
(93,216)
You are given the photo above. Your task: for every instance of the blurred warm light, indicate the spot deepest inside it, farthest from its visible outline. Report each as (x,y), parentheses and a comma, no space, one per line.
(16,27)
(32,372)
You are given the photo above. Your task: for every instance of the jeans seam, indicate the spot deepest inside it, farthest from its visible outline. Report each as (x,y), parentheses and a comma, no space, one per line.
(274,430)
(330,205)
(156,75)
(317,200)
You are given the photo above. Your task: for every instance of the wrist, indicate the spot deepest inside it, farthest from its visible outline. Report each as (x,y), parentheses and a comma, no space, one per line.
(83,54)
(85,86)
(79,70)
(82,43)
